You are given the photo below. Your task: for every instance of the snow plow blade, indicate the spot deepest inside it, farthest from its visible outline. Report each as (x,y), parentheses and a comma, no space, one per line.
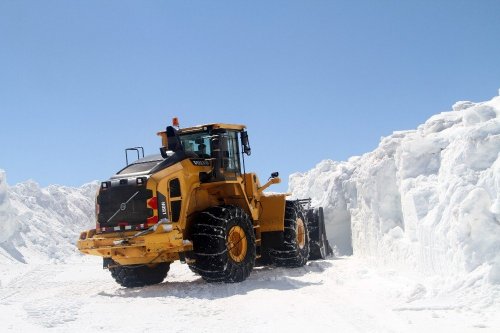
(319,248)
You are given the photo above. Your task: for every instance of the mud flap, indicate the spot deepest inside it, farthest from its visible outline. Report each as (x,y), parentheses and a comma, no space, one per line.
(319,247)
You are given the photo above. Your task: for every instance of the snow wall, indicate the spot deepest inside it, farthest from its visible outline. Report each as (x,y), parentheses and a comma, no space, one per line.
(425,200)
(42,224)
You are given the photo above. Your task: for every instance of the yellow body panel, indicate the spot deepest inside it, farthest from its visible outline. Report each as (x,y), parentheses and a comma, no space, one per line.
(272,215)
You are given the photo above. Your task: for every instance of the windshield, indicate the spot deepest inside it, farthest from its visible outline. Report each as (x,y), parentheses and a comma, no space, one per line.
(198,143)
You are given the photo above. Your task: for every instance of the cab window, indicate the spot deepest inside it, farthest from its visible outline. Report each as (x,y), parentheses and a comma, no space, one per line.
(198,143)
(231,153)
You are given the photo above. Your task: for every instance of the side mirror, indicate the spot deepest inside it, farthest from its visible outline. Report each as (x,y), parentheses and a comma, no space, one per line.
(244,142)
(163,151)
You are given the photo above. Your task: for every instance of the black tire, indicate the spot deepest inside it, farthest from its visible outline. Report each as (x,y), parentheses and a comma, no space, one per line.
(318,243)
(223,244)
(131,276)
(294,251)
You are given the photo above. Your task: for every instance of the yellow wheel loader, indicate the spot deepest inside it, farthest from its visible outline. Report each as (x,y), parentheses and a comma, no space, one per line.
(194,202)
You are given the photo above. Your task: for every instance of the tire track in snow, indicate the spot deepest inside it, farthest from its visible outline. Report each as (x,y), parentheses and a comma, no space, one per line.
(35,293)
(23,284)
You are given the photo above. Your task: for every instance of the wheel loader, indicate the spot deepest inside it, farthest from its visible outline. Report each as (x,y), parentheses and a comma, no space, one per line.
(195,202)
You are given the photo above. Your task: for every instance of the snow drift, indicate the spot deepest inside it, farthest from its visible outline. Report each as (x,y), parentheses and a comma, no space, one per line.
(42,224)
(425,200)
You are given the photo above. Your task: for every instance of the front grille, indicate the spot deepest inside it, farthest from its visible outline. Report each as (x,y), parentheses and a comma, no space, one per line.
(121,204)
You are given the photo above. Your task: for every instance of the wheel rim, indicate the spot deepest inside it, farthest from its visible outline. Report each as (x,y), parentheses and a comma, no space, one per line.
(237,244)
(301,233)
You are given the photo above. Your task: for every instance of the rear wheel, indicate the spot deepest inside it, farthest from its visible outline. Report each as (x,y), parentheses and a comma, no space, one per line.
(294,251)
(223,244)
(131,276)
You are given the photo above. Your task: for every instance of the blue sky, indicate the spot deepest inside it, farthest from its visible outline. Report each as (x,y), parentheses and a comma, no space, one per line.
(80,81)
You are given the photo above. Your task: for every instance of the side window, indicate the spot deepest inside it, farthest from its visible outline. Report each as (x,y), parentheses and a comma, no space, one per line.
(233,156)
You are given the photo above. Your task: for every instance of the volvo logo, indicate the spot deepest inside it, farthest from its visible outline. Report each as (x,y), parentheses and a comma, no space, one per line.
(123,206)
(201,162)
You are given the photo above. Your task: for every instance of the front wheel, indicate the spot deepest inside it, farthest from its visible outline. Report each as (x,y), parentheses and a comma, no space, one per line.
(223,244)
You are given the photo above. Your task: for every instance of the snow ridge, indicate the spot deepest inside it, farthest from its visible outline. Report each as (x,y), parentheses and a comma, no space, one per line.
(42,224)
(425,200)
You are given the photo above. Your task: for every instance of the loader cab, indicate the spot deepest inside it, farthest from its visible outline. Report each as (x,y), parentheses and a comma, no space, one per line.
(218,143)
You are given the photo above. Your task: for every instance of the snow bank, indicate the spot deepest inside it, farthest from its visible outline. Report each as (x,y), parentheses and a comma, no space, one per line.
(42,224)
(425,200)
(8,223)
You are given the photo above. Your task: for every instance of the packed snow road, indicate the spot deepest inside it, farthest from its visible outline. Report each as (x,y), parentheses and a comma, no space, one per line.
(340,295)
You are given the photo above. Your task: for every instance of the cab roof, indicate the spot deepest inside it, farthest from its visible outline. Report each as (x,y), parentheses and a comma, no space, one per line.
(198,128)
